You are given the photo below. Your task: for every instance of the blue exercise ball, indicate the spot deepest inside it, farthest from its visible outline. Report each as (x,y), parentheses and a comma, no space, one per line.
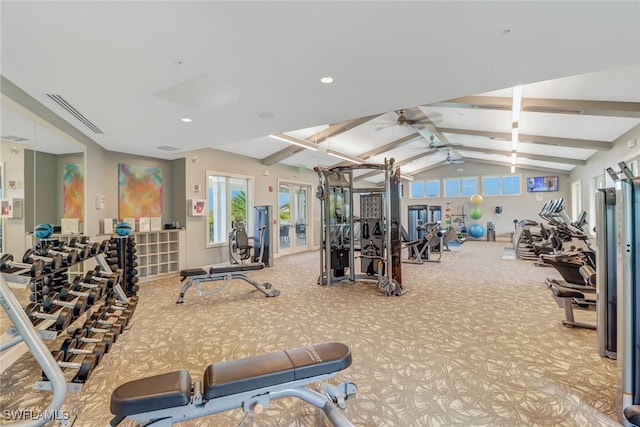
(43,231)
(123,229)
(476,230)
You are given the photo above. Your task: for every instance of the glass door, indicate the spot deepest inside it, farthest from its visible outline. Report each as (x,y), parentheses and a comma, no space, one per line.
(292,217)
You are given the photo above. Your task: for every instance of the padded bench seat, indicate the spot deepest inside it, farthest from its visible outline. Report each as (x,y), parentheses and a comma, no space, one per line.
(237,376)
(152,393)
(221,269)
(231,377)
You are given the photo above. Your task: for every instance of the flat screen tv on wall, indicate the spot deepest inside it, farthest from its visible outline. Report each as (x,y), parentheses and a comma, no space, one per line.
(536,184)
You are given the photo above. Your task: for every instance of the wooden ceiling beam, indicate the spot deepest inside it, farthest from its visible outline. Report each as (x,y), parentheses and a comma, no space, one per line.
(538,139)
(279,156)
(339,128)
(547,105)
(507,166)
(540,157)
(318,137)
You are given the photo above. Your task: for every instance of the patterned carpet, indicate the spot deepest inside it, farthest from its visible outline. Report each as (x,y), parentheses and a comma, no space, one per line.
(477,340)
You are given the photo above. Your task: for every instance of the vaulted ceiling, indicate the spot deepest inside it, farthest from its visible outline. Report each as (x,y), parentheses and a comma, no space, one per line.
(244,70)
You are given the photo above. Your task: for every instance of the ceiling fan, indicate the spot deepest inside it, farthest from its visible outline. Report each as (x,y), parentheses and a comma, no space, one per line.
(452,156)
(451,160)
(403,121)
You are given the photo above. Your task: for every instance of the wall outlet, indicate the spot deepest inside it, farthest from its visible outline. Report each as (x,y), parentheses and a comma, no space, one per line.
(631,143)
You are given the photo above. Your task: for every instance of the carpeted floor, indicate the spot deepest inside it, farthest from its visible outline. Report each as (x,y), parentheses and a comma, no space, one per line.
(476,341)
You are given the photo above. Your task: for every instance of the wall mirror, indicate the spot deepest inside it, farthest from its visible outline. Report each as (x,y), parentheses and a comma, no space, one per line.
(44,169)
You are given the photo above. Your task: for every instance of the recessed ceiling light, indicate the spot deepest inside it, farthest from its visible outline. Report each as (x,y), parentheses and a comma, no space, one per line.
(327,80)
(186,119)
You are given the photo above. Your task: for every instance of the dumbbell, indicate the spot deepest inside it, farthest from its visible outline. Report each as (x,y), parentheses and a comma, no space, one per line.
(35,267)
(98,272)
(113,301)
(68,257)
(83,282)
(84,365)
(91,327)
(71,290)
(63,318)
(114,311)
(88,337)
(71,346)
(90,248)
(108,279)
(51,263)
(50,301)
(84,251)
(100,320)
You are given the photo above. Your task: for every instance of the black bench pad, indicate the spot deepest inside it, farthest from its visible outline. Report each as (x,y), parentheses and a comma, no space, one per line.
(561,292)
(221,269)
(237,376)
(149,394)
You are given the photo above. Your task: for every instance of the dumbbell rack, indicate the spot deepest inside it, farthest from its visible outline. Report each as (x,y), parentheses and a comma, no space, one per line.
(127,256)
(26,331)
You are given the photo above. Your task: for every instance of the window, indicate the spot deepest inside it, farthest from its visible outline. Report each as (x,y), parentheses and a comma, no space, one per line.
(421,189)
(511,184)
(433,188)
(417,189)
(460,187)
(227,197)
(469,186)
(452,187)
(508,185)
(491,185)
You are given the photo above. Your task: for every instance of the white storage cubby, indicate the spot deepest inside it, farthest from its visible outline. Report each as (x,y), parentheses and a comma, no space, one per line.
(159,252)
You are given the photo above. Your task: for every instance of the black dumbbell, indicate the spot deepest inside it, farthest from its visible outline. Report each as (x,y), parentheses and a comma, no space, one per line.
(91,327)
(131,301)
(103,320)
(50,263)
(88,337)
(71,346)
(97,272)
(84,251)
(92,277)
(35,267)
(70,291)
(84,365)
(62,318)
(114,311)
(50,301)
(69,257)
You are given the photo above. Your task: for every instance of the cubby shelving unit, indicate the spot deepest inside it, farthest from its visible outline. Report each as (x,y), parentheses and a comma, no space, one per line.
(159,252)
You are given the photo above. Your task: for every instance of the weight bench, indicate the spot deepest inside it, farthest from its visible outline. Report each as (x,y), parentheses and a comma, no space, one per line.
(223,273)
(249,383)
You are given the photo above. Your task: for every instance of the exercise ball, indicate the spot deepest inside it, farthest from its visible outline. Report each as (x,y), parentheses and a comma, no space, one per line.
(43,231)
(476,231)
(475,213)
(123,229)
(476,199)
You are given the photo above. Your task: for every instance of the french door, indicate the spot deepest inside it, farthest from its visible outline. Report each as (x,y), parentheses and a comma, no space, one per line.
(293,226)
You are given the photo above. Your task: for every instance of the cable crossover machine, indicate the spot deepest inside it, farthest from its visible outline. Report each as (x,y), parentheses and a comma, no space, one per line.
(375,232)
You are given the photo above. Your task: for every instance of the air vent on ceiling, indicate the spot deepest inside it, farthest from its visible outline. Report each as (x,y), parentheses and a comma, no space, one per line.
(75,113)
(167,148)
(13,138)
